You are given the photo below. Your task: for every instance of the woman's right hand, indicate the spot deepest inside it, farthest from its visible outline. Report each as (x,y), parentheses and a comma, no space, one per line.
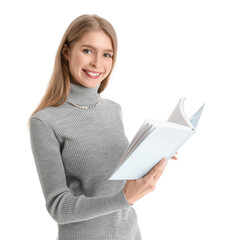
(136,189)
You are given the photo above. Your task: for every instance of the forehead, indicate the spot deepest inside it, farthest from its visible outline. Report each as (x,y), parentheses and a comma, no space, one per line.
(97,39)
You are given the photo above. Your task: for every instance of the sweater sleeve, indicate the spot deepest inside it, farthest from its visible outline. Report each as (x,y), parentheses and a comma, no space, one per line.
(62,205)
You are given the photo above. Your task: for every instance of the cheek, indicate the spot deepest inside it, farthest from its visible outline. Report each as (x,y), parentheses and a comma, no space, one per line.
(77,61)
(109,66)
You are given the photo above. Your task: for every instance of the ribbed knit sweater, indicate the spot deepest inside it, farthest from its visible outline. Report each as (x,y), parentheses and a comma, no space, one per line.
(75,152)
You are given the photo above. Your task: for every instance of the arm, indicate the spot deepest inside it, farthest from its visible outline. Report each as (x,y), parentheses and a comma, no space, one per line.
(62,205)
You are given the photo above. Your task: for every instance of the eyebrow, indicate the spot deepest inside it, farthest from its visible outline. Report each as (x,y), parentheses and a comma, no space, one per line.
(90,46)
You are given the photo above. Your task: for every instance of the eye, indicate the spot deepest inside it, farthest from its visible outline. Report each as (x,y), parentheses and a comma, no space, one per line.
(87,51)
(108,55)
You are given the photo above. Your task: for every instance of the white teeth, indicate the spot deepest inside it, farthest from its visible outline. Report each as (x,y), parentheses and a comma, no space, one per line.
(93,74)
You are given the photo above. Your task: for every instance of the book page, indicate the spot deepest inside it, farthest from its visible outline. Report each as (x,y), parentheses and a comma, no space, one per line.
(163,141)
(195,118)
(143,131)
(135,144)
(178,115)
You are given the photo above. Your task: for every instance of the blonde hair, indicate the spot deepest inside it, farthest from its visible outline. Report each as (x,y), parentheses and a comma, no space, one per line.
(59,85)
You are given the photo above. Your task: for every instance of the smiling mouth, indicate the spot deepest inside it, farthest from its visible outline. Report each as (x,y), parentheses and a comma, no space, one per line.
(93,75)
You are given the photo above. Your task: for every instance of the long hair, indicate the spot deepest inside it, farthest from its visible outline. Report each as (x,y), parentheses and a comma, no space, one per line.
(59,85)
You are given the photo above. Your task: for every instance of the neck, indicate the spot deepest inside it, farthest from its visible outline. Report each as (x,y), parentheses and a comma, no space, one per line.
(82,95)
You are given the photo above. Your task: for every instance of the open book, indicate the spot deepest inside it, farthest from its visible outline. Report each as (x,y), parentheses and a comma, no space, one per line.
(154,141)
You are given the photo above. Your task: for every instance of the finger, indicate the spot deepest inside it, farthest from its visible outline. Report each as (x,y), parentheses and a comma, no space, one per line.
(159,173)
(155,169)
(174,157)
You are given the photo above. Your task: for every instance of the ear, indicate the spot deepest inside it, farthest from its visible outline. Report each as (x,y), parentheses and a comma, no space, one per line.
(65,51)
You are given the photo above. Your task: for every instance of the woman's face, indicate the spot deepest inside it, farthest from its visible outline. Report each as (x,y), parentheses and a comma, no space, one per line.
(90,59)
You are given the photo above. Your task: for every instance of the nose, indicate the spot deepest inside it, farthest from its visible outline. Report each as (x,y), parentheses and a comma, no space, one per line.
(96,61)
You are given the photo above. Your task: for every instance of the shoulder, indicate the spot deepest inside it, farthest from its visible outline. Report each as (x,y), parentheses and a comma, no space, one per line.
(50,114)
(44,114)
(114,106)
(111,103)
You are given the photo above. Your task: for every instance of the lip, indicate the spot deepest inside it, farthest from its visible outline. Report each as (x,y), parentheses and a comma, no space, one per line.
(91,71)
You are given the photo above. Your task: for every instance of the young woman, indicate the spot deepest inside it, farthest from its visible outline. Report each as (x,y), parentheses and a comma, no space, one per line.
(78,138)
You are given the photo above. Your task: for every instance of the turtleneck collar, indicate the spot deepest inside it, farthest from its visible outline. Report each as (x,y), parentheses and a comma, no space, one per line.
(82,95)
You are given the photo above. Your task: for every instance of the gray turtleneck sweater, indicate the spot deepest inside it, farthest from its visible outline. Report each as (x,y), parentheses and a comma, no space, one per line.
(75,152)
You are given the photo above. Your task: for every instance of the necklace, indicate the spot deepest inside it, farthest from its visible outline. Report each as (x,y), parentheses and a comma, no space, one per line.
(86,107)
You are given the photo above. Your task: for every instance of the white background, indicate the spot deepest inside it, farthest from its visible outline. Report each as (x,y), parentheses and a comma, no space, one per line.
(167,49)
